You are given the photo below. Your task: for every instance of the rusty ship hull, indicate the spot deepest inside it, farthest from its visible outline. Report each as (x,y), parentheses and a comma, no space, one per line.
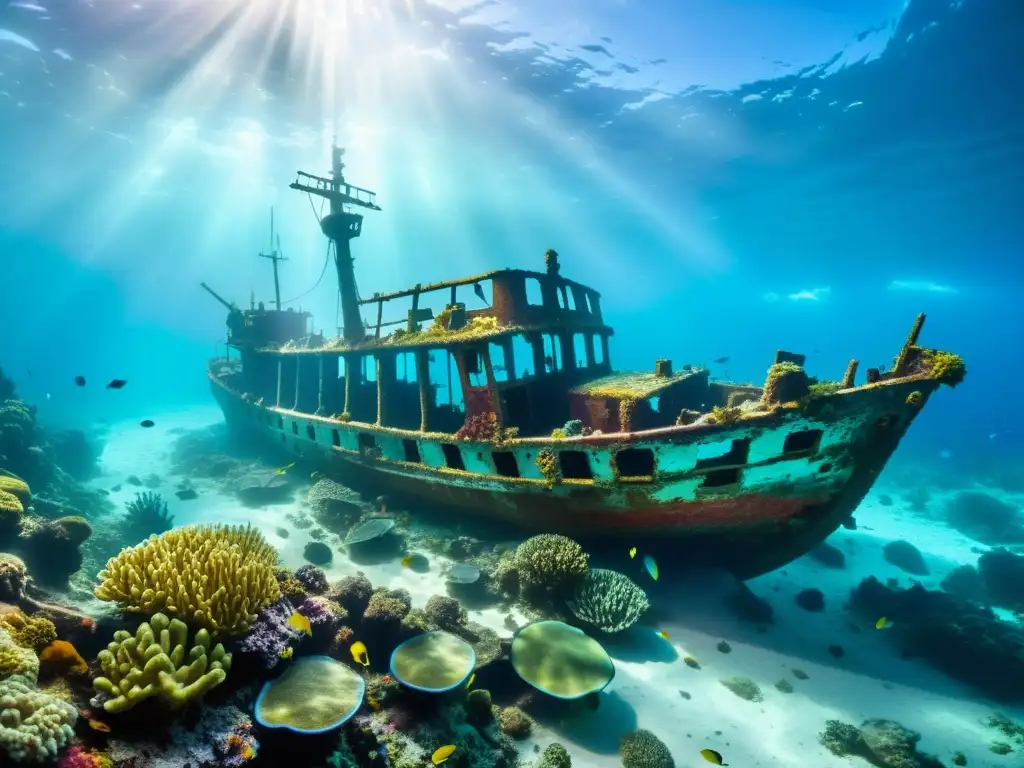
(749,497)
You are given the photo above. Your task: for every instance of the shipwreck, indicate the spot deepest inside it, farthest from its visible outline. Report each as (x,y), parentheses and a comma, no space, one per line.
(505,405)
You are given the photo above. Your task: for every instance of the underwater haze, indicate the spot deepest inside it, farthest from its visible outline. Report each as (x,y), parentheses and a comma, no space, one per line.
(745,183)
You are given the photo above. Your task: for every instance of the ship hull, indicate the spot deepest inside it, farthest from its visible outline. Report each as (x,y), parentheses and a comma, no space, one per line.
(749,516)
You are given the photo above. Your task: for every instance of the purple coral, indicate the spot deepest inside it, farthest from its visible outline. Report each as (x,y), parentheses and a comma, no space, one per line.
(271,636)
(321,611)
(312,578)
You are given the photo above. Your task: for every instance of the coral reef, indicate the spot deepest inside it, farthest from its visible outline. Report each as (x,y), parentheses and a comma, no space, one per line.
(515,723)
(353,594)
(743,687)
(985,518)
(966,641)
(313,579)
(157,662)
(785,383)
(34,726)
(554,756)
(882,743)
(547,465)
(314,695)
(271,637)
(216,576)
(608,600)
(147,515)
(1002,574)
(811,600)
(318,553)
(552,563)
(906,557)
(445,612)
(34,632)
(61,658)
(964,582)
(828,555)
(642,749)
(946,368)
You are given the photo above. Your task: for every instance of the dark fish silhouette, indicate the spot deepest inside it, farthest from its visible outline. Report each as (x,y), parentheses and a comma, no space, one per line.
(80,381)
(720,360)
(117,383)
(479,291)
(147,423)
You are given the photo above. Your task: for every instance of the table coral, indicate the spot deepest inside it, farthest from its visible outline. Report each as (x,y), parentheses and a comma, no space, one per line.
(157,662)
(218,576)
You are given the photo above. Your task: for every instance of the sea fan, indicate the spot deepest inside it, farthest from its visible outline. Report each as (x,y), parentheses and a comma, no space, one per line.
(147,514)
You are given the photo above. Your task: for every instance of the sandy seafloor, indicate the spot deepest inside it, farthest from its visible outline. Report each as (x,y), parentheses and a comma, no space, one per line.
(870,681)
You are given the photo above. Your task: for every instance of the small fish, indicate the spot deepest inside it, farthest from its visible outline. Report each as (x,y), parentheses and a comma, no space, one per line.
(663,634)
(712,757)
(117,383)
(442,754)
(408,560)
(469,682)
(883,623)
(632,552)
(691,662)
(99,725)
(147,423)
(285,468)
(651,567)
(720,360)
(359,653)
(299,622)
(80,381)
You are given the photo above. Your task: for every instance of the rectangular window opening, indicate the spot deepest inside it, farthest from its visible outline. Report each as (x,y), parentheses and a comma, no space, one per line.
(280,423)
(635,462)
(805,440)
(738,452)
(311,432)
(719,478)
(366,442)
(452,456)
(412,451)
(336,438)
(505,463)
(295,427)
(534,295)
(576,465)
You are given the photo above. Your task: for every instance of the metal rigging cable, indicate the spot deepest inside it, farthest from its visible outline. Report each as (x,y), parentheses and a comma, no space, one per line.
(327,257)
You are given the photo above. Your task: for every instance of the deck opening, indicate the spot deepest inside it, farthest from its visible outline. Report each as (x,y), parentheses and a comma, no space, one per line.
(804,440)
(826,467)
(737,454)
(718,478)
(505,463)
(452,456)
(576,466)
(412,451)
(534,294)
(367,443)
(635,463)
(336,438)
(280,423)
(295,427)
(311,432)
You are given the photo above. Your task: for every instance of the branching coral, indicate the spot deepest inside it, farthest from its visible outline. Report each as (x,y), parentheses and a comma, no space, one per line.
(312,578)
(157,662)
(271,637)
(216,576)
(725,416)
(642,749)
(147,514)
(946,368)
(551,562)
(554,756)
(609,601)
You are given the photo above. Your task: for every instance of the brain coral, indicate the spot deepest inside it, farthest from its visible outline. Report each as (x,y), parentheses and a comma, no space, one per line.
(218,577)
(16,487)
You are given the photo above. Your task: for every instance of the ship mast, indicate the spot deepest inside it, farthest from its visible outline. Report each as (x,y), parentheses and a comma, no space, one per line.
(275,256)
(341,226)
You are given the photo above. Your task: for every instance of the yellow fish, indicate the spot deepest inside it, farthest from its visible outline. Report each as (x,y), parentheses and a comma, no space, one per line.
(883,623)
(299,622)
(407,561)
(632,552)
(712,757)
(285,468)
(442,754)
(663,633)
(360,654)
(469,682)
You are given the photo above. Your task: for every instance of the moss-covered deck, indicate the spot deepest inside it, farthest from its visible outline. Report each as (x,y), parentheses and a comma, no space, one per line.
(633,385)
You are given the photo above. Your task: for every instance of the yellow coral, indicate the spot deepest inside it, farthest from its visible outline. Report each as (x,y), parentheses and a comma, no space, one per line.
(16,487)
(29,631)
(10,504)
(15,660)
(547,464)
(62,657)
(217,576)
(157,662)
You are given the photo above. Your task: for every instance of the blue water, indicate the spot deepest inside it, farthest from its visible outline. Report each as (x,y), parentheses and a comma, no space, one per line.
(734,177)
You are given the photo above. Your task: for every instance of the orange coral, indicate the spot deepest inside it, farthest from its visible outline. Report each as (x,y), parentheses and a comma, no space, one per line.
(61,657)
